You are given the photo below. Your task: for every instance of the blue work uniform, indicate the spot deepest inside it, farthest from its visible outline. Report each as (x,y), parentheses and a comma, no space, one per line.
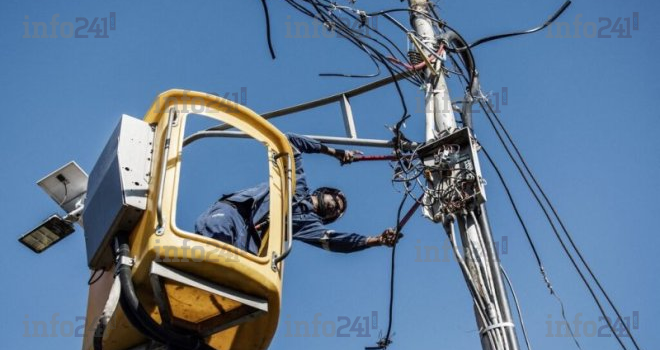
(233,218)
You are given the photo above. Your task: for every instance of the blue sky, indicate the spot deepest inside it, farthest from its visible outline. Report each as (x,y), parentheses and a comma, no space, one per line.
(582,109)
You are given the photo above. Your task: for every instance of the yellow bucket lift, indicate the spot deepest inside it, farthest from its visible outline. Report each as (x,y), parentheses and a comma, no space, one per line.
(221,298)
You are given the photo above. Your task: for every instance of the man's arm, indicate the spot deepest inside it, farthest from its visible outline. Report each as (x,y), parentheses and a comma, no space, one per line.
(320,236)
(306,145)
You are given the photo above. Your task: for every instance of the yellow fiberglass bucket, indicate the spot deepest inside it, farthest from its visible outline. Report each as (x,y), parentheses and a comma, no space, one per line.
(228,297)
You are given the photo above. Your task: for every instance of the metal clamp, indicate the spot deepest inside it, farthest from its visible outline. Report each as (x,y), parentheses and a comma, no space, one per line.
(123,261)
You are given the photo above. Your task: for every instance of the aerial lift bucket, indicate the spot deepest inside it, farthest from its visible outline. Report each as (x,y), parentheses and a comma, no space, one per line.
(228,298)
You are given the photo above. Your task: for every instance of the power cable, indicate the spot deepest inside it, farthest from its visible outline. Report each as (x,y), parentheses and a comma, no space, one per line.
(387,340)
(552,225)
(270,43)
(539,263)
(490,109)
(559,220)
(324,13)
(529,31)
(324,10)
(550,221)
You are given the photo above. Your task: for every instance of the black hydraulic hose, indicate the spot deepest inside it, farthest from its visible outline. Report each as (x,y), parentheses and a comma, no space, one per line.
(101,325)
(136,314)
(133,320)
(128,289)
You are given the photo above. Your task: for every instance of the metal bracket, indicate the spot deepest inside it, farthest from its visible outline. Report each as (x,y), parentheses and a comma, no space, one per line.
(347,112)
(342,98)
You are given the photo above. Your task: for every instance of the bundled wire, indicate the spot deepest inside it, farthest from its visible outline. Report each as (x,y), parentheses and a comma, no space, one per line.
(493,118)
(378,47)
(532,245)
(408,169)
(466,60)
(526,173)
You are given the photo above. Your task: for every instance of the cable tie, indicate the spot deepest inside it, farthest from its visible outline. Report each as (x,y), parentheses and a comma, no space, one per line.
(497,325)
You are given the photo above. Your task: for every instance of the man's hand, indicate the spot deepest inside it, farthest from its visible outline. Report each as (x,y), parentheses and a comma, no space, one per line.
(346,156)
(387,238)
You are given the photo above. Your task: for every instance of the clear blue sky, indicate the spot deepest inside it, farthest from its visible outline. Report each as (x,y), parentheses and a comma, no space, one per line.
(582,109)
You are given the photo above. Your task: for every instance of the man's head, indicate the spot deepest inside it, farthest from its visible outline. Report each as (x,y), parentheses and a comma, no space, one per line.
(330,203)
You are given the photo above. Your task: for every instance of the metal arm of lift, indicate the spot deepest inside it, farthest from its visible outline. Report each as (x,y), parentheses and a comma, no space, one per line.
(325,139)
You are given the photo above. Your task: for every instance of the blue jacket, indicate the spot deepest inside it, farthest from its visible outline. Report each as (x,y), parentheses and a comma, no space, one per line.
(307,225)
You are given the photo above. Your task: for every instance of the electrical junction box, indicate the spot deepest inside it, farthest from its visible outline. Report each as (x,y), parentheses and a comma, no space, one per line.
(117,188)
(453,171)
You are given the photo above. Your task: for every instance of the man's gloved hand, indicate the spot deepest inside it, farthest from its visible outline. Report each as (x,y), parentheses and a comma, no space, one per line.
(346,156)
(387,238)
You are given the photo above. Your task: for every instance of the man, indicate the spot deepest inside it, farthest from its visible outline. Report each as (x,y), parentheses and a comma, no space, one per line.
(241,218)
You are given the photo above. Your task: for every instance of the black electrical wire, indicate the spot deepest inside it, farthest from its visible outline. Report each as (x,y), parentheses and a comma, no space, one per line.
(353,37)
(529,31)
(342,75)
(372,29)
(552,225)
(92,278)
(396,23)
(549,219)
(383,343)
(387,340)
(517,212)
(324,13)
(270,42)
(464,53)
(469,62)
(560,221)
(539,263)
(375,30)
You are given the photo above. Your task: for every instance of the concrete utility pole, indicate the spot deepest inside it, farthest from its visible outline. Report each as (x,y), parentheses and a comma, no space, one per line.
(479,262)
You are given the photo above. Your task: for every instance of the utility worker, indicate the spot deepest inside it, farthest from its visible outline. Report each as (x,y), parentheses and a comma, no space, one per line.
(240,218)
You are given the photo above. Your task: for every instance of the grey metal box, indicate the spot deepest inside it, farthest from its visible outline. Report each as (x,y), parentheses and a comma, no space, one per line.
(117,188)
(465,160)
